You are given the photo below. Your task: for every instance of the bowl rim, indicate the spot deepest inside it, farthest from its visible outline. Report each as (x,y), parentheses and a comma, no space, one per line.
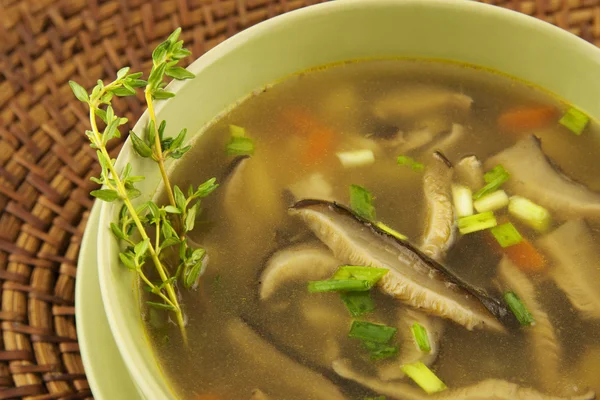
(125,342)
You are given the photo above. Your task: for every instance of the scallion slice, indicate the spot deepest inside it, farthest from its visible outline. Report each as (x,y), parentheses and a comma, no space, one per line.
(424,377)
(361,202)
(506,234)
(410,162)
(518,308)
(240,146)
(477,222)
(358,303)
(342,285)
(368,274)
(380,351)
(529,213)
(421,337)
(462,197)
(404,160)
(494,179)
(371,332)
(574,120)
(235,130)
(391,231)
(491,201)
(495,173)
(417,166)
(357,158)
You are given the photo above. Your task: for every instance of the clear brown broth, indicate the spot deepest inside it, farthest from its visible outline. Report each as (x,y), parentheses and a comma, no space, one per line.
(238,247)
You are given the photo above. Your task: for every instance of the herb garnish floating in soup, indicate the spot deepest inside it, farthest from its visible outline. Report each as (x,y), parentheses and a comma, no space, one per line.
(392,229)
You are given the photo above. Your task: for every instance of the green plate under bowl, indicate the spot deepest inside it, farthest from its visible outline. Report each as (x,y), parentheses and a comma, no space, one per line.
(106,373)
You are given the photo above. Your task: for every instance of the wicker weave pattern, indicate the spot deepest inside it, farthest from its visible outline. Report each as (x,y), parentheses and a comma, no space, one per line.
(580,17)
(45,165)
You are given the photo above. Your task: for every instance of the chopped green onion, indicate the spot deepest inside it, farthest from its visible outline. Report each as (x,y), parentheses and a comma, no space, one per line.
(361,202)
(368,274)
(417,166)
(358,303)
(421,337)
(424,377)
(391,231)
(235,130)
(494,179)
(491,201)
(358,158)
(240,146)
(506,234)
(380,351)
(405,160)
(371,332)
(529,213)
(518,308)
(462,197)
(495,173)
(346,285)
(574,120)
(477,222)
(410,162)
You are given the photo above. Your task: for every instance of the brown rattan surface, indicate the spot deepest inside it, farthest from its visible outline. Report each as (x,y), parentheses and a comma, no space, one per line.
(45,163)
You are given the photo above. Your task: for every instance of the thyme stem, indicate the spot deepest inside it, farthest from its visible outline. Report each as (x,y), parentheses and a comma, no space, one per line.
(170,229)
(158,148)
(154,288)
(120,187)
(157,235)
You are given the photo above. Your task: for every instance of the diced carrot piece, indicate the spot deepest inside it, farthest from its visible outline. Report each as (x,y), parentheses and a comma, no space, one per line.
(319,139)
(524,255)
(319,144)
(526,118)
(300,120)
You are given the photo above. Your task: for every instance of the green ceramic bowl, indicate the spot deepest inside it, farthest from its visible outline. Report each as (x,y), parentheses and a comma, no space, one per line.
(342,30)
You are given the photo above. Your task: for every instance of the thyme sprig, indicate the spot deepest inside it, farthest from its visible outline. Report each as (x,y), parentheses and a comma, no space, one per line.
(165,58)
(170,223)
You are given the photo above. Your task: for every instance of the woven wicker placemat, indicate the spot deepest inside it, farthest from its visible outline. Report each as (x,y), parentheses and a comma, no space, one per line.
(45,162)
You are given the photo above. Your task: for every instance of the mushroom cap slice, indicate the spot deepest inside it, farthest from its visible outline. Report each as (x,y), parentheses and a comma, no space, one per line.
(249,189)
(291,374)
(418,100)
(414,278)
(396,390)
(576,258)
(546,348)
(495,389)
(449,140)
(409,349)
(469,172)
(440,233)
(301,262)
(535,176)
(490,389)
(313,186)
(414,140)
